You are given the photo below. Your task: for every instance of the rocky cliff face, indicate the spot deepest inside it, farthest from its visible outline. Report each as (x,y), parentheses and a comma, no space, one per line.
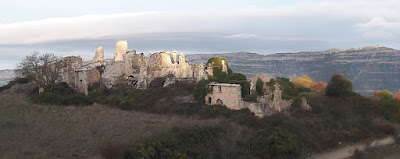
(370,68)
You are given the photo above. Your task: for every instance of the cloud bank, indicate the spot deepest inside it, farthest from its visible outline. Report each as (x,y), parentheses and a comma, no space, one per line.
(325,21)
(288,28)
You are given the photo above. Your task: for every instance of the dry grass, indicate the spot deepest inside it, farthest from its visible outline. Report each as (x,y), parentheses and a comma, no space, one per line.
(35,131)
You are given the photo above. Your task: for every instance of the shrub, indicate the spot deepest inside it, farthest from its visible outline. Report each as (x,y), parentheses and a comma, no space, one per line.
(277,144)
(61,94)
(200,90)
(339,86)
(386,107)
(195,142)
(252,97)
(157,82)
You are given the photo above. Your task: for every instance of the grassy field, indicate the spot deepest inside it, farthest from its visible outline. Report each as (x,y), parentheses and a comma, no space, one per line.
(35,131)
(162,123)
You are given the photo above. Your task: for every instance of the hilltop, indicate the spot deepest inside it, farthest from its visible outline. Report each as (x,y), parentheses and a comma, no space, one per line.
(371,68)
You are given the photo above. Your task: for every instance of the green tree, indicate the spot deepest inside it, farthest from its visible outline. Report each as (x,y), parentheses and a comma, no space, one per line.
(259,86)
(217,66)
(385,94)
(200,90)
(237,77)
(339,86)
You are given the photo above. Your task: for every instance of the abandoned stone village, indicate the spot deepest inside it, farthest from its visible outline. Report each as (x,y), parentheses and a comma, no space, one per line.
(137,70)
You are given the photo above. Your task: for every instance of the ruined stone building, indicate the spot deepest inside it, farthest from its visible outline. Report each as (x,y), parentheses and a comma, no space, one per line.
(128,67)
(225,94)
(229,95)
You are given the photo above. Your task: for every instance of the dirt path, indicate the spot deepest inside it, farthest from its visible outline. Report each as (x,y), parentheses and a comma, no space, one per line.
(348,151)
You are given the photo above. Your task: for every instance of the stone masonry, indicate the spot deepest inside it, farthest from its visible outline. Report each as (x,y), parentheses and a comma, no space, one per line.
(229,95)
(127,67)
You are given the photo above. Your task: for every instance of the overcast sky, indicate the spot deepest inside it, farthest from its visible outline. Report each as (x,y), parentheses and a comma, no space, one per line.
(194,26)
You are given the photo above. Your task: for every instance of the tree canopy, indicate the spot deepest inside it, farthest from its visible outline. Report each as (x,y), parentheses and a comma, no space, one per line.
(304,81)
(339,86)
(41,68)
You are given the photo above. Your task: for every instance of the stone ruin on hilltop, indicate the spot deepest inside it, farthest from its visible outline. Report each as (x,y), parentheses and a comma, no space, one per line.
(128,67)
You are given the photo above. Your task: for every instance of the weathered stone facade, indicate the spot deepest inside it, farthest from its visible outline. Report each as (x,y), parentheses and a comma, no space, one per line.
(225,94)
(229,95)
(127,67)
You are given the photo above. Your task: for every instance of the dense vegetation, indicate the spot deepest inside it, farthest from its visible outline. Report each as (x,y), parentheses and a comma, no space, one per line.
(338,118)
(61,94)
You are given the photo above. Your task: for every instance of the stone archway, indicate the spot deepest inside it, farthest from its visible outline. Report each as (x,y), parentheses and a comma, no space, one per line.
(219,102)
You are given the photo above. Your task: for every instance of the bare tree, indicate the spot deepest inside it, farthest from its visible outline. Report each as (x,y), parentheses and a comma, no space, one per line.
(44,69)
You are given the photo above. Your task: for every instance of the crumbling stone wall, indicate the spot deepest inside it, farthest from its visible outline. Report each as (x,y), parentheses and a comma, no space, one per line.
(229,95)
(68,66)
(128,67)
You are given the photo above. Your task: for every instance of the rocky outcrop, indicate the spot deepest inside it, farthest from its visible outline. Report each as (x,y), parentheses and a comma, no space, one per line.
(304,104)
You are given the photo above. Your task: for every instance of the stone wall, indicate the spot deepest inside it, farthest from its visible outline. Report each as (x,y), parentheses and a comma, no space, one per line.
(127,67)
(228,95)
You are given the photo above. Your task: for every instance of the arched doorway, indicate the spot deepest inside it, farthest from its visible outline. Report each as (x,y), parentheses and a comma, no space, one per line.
(219,102)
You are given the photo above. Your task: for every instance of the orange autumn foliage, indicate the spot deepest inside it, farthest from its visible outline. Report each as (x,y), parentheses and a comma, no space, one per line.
(304,81)
(319,86)
(398,97)
(375,95)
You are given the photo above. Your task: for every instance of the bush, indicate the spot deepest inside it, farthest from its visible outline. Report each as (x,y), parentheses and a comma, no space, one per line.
(61,94)
(157,82)
(339,86)
(200,90)
(386,107)
(278,144)
(252,97)
(196,142)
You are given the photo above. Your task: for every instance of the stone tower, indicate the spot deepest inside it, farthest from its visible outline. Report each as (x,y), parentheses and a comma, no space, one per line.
(182,58)
(224,67)
(120,50)
(174,56)
(99,56)
(210,71)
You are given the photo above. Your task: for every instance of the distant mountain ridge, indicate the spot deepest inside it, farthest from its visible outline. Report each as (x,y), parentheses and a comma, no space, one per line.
(371,68)
(6,76)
